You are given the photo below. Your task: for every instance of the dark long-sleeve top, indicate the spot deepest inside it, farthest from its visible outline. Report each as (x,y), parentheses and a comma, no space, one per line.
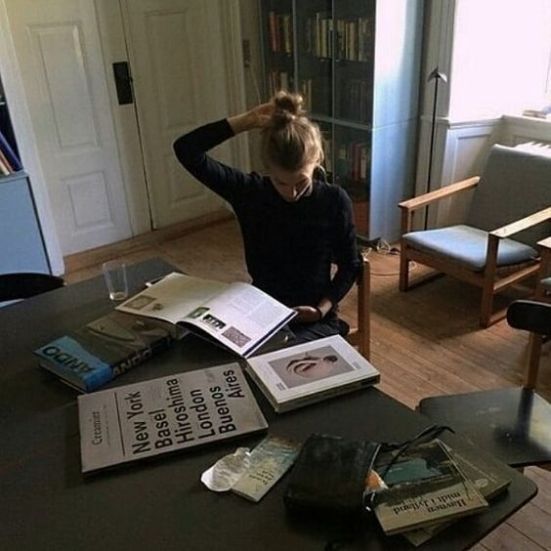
(289,247)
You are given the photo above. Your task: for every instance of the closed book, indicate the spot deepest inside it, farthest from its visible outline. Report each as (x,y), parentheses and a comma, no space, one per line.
(4,170)
(93,355)
(307,373)
(165,415)
(425,486)
(9,153)
(490,476)
(4,161)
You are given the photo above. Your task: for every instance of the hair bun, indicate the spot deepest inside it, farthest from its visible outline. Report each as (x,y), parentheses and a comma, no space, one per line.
(288,107)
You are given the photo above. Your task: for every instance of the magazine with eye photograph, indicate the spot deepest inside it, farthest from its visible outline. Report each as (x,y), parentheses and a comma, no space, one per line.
(306,373)
(236,315)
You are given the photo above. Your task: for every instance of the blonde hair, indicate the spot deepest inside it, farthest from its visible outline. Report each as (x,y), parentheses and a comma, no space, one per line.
(291,140)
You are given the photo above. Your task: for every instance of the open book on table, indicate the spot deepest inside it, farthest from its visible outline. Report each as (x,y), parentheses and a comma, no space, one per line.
(236,315)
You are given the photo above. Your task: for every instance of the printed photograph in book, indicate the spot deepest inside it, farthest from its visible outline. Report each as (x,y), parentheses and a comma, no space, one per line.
(235,315)
(305,367)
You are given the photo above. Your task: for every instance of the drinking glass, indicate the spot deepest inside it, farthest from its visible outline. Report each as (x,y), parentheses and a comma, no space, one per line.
(114,272)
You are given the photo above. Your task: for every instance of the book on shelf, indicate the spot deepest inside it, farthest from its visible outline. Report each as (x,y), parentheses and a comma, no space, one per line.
(306,373)
(165,415)
(425,486)
(9,153)
(5,170)
(237,316)
(5,164)
(280,32)
(103,349)
(489,475)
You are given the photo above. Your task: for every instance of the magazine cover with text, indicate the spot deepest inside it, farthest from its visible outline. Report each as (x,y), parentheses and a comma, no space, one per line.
(166,414)
(309,372)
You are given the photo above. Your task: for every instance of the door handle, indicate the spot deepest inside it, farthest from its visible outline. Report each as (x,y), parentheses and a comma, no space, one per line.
(123,82)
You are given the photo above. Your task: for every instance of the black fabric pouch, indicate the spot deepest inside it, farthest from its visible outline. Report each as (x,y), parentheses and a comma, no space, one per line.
(329,476)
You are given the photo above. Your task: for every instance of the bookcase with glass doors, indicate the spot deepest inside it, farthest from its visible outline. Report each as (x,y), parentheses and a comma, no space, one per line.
(362,91)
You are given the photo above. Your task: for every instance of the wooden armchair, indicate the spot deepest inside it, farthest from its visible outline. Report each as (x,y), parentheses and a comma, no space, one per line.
(359,335)
(511,199)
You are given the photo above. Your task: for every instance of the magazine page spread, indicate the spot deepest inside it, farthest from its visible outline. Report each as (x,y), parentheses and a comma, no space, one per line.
(242,317)
(310,369)
(163,415)
(173,297)
(237,315)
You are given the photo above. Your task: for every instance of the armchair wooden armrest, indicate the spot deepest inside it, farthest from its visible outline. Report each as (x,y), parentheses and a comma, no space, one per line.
(411,205)
(545,243)
(523,224)
(545,268)
(432,196)
(510,229)
(506,231)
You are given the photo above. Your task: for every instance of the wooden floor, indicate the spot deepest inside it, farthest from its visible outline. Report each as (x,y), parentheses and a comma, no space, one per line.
(424,342)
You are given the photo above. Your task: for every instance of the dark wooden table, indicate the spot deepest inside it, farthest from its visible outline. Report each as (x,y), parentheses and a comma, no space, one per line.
(161,504)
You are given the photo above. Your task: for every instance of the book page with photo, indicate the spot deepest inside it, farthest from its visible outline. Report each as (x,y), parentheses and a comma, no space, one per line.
(236,315)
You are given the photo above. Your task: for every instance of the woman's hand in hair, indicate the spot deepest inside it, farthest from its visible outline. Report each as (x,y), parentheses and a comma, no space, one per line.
(257,117)
(261,114)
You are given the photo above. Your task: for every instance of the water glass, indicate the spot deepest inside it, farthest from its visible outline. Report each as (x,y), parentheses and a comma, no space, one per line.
(114,273)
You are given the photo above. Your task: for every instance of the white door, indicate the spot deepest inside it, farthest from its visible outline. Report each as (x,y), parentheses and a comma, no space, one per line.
(110,168)
(178,58)
(60,58)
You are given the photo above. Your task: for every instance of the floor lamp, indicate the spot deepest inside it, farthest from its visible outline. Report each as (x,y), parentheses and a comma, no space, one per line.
(437,76)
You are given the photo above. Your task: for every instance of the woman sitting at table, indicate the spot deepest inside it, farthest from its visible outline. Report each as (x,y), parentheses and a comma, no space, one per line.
(294,224)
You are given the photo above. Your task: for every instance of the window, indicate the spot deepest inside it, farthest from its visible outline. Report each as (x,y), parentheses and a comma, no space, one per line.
(501,60)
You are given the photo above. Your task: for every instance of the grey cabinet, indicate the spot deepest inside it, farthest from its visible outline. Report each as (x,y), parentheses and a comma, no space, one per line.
(21,243)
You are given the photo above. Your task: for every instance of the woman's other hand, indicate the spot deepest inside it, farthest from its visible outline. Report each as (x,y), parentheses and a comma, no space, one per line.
(306,314)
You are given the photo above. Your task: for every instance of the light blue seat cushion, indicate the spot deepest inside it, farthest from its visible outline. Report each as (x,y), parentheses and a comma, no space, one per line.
(467,246)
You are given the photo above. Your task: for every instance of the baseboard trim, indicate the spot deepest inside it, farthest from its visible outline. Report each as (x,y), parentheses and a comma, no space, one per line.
(93,257)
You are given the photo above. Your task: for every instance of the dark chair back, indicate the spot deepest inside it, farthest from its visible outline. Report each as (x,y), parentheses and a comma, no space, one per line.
(530,315)
(17,286)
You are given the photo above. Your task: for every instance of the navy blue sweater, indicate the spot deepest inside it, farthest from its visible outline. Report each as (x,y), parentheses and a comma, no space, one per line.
(289,247)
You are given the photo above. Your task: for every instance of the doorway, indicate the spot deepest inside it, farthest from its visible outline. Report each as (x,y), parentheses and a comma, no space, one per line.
(109,166)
